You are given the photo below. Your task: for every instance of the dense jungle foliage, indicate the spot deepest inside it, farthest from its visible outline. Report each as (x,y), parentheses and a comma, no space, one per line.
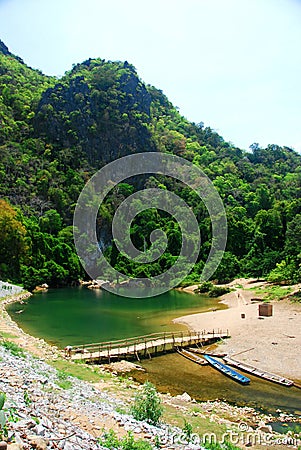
(55,133)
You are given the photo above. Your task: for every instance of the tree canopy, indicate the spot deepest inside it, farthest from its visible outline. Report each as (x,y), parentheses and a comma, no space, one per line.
(55,133)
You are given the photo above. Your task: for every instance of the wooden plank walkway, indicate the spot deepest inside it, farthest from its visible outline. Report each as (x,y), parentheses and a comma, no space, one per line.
(143,346)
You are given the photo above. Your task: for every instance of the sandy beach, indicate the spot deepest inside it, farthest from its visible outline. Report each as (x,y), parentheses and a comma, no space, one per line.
(269,343)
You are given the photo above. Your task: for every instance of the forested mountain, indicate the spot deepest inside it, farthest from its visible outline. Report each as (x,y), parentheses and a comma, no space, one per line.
(54,134)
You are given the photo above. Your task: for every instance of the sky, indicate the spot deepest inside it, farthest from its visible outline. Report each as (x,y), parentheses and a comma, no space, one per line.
(233,64)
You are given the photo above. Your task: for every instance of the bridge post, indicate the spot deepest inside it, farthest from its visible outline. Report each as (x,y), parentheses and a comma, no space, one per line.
(109,353)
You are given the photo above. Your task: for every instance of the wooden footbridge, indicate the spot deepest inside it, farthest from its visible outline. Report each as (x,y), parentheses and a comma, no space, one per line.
(143,346)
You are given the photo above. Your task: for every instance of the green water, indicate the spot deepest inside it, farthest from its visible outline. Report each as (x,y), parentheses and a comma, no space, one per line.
(80,315)
(175,374)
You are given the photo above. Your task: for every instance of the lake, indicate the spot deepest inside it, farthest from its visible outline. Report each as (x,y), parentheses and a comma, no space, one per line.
(80,315)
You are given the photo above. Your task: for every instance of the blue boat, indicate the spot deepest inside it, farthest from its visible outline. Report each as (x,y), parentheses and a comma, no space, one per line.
(226,370)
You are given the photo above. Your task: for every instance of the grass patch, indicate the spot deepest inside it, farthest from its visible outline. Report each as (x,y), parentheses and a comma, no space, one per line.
(14,349)
(200,425)
(5,335)
(277,292)
(272,292)
(81,371)
(63,381)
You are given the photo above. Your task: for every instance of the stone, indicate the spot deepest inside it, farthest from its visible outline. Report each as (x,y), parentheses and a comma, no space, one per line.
(3,445)
(14,447)
(37,442)
(185,397)
(68,446)
(266,429)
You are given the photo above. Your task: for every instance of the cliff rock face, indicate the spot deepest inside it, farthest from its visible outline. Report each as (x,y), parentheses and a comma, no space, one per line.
(101,109)
(4,49)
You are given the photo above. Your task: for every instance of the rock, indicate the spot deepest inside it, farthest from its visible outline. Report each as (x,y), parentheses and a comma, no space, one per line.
(3,445)
(68,446)
(267,429)
(39,429)
(37,442)
(185,397)
(14,447)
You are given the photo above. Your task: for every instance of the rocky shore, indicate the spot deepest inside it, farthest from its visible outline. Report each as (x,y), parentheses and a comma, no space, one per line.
(42,414)
(48,409)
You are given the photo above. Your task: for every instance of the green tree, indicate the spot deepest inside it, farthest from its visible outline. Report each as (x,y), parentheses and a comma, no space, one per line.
(13,243)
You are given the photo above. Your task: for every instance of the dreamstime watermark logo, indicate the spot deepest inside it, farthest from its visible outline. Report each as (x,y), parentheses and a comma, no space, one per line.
(91,200)
(243,435)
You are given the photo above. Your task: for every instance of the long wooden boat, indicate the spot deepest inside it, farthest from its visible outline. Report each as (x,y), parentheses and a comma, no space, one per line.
(226,370)
(259,373)
(203,352)
(192,357)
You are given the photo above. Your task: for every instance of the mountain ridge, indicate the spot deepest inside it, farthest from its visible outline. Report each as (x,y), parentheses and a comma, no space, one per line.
(56,132)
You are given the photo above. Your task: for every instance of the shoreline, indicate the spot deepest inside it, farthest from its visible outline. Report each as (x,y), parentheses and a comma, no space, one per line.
(8,327)
(271,343)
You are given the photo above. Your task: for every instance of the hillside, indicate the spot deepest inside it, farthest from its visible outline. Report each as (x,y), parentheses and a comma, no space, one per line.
(54,135)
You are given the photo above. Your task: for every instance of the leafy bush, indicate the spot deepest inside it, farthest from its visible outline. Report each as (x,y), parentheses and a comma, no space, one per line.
(13,348)
(217,291)
(212,290)
(187,430)
(111,441)
(282,272)
(205,287)
(2,415)
(147,405)
(63,381)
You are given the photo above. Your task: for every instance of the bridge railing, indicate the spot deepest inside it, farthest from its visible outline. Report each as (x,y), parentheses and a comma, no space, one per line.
(145,339)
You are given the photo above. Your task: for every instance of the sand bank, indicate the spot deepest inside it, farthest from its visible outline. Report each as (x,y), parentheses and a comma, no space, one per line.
(270,343)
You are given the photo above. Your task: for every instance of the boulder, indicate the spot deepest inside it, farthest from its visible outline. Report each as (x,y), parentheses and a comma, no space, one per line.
(37,442)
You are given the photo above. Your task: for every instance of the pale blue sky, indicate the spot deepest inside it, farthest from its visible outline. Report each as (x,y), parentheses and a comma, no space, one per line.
(233,64)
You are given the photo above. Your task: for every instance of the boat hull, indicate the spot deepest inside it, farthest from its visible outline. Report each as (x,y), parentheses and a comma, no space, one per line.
(226,370)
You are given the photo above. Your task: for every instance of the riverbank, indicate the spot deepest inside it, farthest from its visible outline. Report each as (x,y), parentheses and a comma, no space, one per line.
(269,343)
(10,330)
(65,405)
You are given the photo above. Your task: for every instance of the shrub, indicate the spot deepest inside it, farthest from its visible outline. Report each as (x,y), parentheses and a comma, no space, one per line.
(13,348)
(217,291)
(63,381)
(212,290)
(205,287)
(187,430)
(147,405)
(2,415)
(111,441)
